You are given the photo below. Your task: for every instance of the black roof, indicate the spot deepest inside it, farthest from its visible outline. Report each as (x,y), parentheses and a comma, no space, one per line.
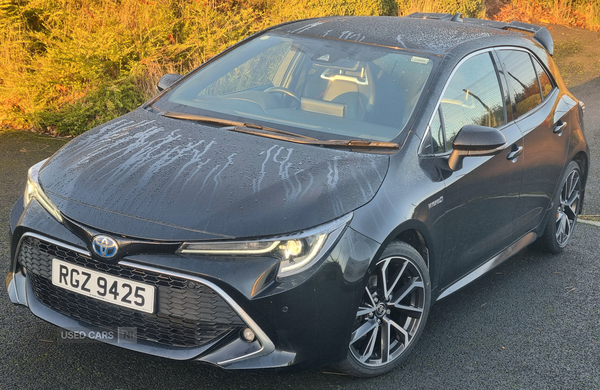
(432,33)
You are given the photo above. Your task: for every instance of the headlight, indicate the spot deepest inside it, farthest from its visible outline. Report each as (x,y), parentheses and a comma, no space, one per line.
(33,190)
(296,252)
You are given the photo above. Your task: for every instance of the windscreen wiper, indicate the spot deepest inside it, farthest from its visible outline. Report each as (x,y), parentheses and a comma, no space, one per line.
(268,132)
(333,143)
(219,121)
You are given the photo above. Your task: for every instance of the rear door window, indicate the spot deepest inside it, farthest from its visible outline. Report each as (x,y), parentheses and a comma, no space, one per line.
(523,86)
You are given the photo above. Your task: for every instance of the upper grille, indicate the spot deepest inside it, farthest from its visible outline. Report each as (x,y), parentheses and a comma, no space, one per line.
(188,314)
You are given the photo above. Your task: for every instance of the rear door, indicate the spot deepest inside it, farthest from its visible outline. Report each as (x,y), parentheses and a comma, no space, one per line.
(542,118)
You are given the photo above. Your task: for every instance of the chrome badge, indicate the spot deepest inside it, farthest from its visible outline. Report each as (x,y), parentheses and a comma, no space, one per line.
(104,246)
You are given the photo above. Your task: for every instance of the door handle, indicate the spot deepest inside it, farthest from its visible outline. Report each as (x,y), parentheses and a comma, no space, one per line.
(558,127)
(514,153)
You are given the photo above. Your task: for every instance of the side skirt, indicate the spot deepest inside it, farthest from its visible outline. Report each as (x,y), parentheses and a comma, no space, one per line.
(490,264)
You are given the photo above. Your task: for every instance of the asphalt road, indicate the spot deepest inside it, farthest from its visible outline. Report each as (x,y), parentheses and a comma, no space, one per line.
(532,323)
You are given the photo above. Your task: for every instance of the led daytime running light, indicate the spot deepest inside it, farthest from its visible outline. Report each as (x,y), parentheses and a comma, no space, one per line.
(205,248)
(33,190)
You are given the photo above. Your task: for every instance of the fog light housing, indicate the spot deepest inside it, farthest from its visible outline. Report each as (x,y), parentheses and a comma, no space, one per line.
(248,335)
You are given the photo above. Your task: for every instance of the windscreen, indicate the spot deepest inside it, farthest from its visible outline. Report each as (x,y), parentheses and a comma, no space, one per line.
(317,87)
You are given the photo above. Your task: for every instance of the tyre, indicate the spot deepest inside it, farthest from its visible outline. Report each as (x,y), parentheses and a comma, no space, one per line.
(563,216)
(392,312)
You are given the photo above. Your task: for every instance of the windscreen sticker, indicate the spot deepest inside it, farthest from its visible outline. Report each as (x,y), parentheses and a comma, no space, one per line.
(420,60)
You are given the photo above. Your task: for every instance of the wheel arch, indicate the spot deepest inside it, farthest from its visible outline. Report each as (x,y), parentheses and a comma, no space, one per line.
(416,234)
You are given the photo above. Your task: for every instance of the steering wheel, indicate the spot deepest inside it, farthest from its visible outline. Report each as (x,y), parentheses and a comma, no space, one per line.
(285,91)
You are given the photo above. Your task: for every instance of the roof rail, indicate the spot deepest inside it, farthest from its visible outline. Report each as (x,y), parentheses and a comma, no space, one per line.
(540,33)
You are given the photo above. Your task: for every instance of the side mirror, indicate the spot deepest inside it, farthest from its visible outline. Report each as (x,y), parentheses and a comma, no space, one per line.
(474,140)
(167,80)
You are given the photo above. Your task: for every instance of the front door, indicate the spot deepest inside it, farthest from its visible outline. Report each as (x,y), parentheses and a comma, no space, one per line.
(481,198)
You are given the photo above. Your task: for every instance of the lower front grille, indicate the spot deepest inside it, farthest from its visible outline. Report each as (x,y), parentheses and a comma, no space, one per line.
(188,314)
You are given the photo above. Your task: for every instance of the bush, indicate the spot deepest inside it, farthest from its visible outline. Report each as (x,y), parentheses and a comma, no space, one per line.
(469,8)
(578,13)
(99,106)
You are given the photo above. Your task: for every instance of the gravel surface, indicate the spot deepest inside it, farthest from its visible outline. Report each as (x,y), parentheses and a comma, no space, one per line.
(532,323)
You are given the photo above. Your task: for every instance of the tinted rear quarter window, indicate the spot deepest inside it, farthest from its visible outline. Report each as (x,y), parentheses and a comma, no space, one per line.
(545,82)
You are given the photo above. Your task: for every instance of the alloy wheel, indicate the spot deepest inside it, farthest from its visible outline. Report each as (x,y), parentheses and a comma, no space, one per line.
(566,215)
(390,313)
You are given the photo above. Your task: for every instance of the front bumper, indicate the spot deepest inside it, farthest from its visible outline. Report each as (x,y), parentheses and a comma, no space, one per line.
(203,303)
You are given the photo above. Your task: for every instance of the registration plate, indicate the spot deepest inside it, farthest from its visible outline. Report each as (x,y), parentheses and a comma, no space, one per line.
(102,286)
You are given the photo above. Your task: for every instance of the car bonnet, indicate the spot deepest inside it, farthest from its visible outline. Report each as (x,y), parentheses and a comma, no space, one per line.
(147,176)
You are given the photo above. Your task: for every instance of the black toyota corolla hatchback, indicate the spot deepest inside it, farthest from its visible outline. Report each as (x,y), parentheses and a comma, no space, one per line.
(305,196)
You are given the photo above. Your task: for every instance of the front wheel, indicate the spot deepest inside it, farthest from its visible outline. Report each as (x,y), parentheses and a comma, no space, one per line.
(563,217)
(392,312)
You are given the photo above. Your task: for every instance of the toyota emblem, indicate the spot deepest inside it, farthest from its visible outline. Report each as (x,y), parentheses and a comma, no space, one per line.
(105,246)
